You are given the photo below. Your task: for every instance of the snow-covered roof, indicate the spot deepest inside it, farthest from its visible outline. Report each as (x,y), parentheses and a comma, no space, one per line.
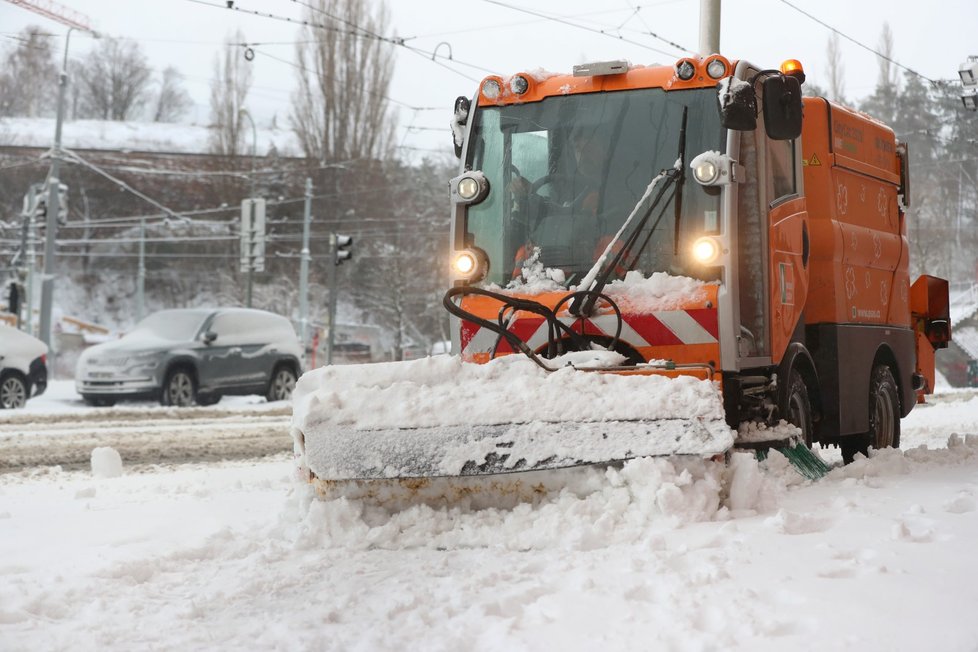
(135,136)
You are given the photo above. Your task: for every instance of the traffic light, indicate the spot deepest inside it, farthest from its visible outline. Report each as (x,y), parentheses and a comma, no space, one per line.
(13,298)
(343,243)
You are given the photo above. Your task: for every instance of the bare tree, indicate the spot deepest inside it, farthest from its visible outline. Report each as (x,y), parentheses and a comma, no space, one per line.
(114,80)
(836,71)
(172,102)
(229,88)
(29,78)
(340,110)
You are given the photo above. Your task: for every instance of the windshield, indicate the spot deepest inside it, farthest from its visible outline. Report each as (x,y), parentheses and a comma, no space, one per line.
(182,325)
(564,173)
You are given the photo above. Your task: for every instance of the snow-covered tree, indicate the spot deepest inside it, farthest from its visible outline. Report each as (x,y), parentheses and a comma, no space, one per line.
(114,81)
(29,75)
(229,90)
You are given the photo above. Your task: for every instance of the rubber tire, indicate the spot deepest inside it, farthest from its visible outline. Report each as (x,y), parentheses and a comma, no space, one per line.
(13,391)
(181,380)
(281,384)
(796,407)
(884,417)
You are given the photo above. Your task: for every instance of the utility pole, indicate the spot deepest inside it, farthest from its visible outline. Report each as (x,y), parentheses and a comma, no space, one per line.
(305,259)
(141,273)
(73,20)
(709,27)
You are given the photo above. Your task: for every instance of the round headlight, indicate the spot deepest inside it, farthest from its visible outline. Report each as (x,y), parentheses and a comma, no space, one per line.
(519,84)
(464,263)
(468,188)
(716,69)
(685,69)
(491,89)
(706,250)
(706,172)
(470,264)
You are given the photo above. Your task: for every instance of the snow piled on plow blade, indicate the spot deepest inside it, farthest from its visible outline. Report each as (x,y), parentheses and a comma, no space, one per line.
(443,417)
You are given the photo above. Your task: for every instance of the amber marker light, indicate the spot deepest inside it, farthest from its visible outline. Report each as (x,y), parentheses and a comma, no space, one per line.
(793,68)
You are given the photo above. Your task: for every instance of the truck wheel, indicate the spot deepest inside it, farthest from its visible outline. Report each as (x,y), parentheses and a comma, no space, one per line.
(13,392)
(179,389)
(796,408)
(281,385)
(884,417)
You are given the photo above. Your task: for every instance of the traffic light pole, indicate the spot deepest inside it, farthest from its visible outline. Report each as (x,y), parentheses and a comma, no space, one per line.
(305,259)
(332,299)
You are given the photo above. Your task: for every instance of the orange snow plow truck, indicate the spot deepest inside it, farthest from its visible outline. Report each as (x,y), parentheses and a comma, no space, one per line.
(790,212)
(684,256)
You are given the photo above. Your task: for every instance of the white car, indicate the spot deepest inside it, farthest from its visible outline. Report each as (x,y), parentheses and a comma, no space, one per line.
(23,367)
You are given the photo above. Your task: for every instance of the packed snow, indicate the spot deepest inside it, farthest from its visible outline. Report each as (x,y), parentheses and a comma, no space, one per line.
(425,417)
(657,554)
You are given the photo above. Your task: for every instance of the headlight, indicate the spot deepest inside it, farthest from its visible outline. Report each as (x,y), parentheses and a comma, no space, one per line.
(685,69)
(519,84)
(706,250)
(469,188)
(491,88)
(470,264)
(716,68)
(706,172)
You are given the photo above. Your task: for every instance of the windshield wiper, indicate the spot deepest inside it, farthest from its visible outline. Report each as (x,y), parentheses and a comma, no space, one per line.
(678,204)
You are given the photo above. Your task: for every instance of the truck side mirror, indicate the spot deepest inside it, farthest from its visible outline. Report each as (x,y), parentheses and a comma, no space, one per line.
(459,119)
(209,337)
(738,104)
(782,107)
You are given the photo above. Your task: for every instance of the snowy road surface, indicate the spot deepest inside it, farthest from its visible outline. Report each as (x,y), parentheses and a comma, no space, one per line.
(659,555)
(57,429)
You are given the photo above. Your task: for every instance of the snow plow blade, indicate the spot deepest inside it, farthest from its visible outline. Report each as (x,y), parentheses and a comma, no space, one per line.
(458,451)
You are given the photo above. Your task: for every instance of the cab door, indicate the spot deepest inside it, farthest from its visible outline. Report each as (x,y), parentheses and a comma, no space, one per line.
(773,243)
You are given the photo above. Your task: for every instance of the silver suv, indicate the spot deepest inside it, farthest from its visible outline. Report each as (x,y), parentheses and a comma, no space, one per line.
(194,356)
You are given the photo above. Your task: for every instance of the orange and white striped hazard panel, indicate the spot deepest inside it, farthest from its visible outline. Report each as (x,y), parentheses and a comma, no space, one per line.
(660,328)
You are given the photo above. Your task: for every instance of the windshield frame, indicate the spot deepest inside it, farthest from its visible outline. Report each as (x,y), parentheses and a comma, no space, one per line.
(652,113)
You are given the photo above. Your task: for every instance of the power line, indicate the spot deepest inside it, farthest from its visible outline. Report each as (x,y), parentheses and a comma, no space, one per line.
(933,82)
(596,31)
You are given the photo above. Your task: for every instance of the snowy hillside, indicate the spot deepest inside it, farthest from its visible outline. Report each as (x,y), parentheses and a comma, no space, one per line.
(133,136)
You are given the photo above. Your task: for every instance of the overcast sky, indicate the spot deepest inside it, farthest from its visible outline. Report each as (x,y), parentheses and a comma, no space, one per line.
(484,35)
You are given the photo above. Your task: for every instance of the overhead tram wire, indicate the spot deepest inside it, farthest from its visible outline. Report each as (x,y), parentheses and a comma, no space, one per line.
(598,31)
(355,30)
(933,82)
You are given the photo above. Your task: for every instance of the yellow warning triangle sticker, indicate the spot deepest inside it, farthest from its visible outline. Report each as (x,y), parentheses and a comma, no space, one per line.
(814,160)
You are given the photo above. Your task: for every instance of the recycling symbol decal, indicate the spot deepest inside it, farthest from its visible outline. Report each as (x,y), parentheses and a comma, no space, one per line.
(850,283)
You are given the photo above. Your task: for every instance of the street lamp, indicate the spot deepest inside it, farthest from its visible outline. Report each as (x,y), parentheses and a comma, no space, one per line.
(254,146)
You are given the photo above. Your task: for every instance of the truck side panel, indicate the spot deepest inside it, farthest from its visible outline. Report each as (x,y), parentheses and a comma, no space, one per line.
(858,310)
(859,247)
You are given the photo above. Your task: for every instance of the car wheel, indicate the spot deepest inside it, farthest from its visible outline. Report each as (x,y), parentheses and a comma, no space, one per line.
(179,389)
(797,407)
(13,392)
(884,417)
(281,385)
